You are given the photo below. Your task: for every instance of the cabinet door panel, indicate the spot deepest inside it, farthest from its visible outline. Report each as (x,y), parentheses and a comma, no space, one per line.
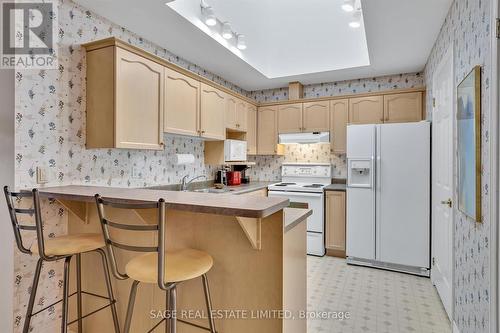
(267,137)
(366,110)
(400,108)
(338,125)
(252,130)
(230,114)
(139,102)
(290,118)
(213,104)
(316,116)
(241,115)
(335,220)
(182,104)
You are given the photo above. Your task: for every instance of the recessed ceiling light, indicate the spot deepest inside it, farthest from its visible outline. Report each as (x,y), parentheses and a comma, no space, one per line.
(209,15)
(348,5)
(241,44)
(356,20)
(227,33)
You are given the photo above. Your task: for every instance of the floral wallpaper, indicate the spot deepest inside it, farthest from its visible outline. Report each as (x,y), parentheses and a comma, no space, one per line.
(382,83)
(467,29)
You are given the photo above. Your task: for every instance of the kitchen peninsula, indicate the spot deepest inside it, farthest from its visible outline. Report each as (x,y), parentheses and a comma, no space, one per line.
(258,246)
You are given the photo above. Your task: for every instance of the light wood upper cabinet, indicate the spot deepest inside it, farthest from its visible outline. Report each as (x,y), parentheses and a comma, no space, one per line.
(366,110)
(335,222)
(125,100)
(213,106)
(338,125)
(241,115)
(182,104)
(230,114)
(400,108)
(236,114)
(316,116)
(251,129)
(267,129)
(290,118)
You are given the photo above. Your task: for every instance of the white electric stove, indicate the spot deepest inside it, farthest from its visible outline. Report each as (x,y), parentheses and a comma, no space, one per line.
(302,184)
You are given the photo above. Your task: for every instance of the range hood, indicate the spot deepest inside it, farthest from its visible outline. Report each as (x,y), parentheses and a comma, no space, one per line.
(305,138)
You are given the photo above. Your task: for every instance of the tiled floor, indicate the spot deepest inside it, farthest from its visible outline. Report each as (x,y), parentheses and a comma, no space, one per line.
(377,300)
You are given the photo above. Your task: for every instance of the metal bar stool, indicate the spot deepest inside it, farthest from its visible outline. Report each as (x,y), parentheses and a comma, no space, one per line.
(58,248)
(165,268)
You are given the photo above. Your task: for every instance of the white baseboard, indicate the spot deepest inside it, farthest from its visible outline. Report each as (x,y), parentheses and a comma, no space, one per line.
(455,328)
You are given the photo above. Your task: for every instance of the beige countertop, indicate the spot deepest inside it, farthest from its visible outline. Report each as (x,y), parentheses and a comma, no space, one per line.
(294,216)
(211,203)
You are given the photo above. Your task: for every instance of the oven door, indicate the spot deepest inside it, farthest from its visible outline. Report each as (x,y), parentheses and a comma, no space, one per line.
(309,200)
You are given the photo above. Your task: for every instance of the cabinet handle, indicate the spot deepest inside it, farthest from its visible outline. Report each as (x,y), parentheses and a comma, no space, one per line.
(202,132)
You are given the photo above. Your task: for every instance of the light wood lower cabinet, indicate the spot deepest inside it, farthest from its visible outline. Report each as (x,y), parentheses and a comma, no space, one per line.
(335,223)
(339,110)
(251,129)
(213,104)
(267,128)
(366,110)
(400,108)
(316,116)
(124,100)
(182,104)
(290,118)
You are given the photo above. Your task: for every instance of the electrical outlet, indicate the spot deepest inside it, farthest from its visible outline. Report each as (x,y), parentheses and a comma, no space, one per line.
(136,173)
(41,175)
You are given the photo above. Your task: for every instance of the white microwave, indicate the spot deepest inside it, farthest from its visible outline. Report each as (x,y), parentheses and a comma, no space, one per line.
(235,150)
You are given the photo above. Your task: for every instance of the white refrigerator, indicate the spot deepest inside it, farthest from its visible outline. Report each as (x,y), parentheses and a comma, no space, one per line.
(388,196)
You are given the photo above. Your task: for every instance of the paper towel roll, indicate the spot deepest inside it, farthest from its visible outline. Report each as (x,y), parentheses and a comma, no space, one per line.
(184,159)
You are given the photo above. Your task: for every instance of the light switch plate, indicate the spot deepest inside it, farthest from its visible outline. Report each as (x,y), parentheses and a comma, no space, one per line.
(41,175)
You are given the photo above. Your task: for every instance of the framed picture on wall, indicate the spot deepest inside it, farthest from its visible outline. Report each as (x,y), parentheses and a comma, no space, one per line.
(469,144)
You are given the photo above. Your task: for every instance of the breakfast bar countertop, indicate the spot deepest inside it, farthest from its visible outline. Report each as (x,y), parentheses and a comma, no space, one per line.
(210,203)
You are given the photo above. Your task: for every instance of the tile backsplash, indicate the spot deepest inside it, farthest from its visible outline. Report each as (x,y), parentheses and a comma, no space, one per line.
(269,167)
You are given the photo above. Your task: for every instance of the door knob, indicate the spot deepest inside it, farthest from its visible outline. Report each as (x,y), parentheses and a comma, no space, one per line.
(448,202)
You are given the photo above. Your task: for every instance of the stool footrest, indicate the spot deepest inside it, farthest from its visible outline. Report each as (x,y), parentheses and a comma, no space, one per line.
(91,313)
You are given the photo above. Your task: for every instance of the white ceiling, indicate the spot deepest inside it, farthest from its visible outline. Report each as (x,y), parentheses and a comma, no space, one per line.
(281,34)
(399,34)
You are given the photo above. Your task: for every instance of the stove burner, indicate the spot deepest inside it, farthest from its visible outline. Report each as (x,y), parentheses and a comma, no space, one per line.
(314,185)
(285,184)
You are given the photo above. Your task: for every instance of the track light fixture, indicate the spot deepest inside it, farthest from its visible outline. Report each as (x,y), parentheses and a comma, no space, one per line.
(356,19)
(227,33)
(348,5)
(241,44)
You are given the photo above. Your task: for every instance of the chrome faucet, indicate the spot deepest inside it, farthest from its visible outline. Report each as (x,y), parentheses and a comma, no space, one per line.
(185,183)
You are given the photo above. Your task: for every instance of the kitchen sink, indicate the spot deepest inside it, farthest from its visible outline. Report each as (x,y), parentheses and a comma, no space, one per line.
(212,190)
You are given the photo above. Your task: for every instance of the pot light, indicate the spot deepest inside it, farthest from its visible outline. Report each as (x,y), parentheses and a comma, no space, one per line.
(209,15)
(356,20)
(227,33)
(241,44)
(348,5)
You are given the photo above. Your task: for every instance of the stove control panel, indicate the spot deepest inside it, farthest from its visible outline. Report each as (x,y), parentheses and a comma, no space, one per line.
(306,171)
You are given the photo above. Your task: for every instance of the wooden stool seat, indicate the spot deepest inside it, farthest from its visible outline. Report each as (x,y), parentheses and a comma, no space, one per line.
(181,265)
(70,244)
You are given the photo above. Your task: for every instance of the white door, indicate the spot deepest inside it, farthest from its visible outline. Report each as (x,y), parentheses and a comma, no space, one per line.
(442,181)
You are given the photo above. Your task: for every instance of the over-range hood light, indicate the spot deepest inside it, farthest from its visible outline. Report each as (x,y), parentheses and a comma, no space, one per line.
(304,138)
